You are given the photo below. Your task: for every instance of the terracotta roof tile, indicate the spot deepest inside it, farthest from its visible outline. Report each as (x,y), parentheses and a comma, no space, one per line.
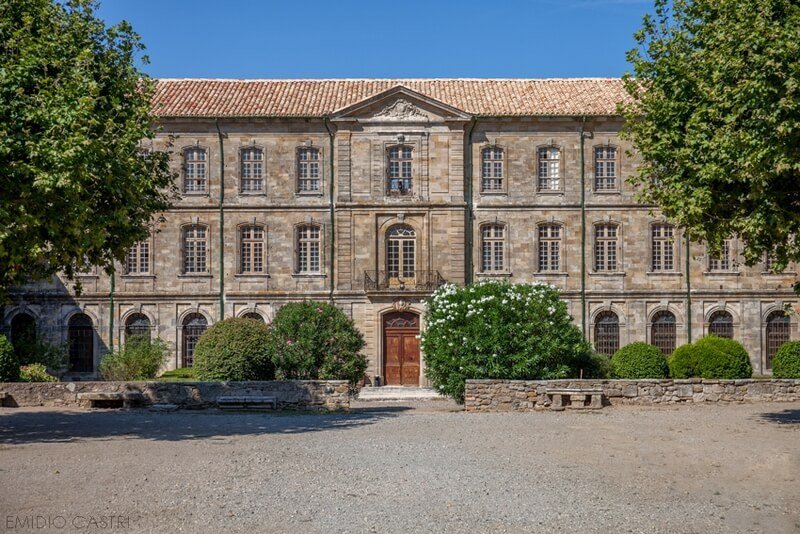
(315,98)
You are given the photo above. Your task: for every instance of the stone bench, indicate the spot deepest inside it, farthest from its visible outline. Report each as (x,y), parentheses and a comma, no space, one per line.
(575,398)
(3,397)
(245,402)
(110,399)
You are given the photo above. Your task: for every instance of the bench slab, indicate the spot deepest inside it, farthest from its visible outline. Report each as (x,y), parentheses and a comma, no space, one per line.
(246,401)
(110,395)
(577,398)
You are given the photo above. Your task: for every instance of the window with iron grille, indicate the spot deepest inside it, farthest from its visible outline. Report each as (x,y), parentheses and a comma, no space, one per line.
(663,332)
(549,169)
(195,248)
(137,325)
(605,247)
(493,244)
(80,334)
(255,316)
(193,327)
(194,170)
(777,333)
(606,333)
(492,169)
(400,245)
(550,247)
(399,170)
(308,170)
(308,249)
(723,261)
(252,170)
(720,324)
(663,247)
(251,249)
(138,259)
(605,168)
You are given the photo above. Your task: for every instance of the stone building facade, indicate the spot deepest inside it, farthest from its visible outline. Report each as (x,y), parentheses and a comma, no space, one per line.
(371,193)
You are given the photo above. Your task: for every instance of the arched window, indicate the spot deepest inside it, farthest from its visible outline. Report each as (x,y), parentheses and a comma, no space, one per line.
(400,251)
(721,324)
(606,333)
(492,169)
(81,343)
(663,332)
(23,329)
(252,170)
(251,250)
(194,325)
(550,247)
(137,327)
(194,170)
(195,249)
(399,170)
(254,316)
(308,248)
(308,170)
(605,247)
(777,333)
(549,169)
(493,245)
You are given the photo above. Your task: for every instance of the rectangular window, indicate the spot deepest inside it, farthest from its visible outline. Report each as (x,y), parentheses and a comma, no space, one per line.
(308,170)
(492,248)
(550,247)
(723,262)
(605,168)
(252,160)
(194,249)
(663,247)
(399,170)
(138,259)
(194,170)
(549,169)
(492,169)
(252,250)
(605,248)
(308,249)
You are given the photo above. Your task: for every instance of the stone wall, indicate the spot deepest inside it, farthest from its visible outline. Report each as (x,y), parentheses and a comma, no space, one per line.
(290,394)
(528,395)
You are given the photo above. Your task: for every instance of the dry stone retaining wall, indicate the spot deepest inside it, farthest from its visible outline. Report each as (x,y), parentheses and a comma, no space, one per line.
(289,394)
(527,395)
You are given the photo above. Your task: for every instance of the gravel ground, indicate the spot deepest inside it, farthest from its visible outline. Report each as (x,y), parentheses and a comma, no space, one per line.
(423,467)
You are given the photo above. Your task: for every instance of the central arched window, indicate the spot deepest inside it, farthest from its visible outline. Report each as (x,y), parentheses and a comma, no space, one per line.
(493,248)
(777,333)
(194,325)
(663,331)
(399,170)
(400,252)
(720,324)
(137,327)
(251,249)
(606,333)
(81,343)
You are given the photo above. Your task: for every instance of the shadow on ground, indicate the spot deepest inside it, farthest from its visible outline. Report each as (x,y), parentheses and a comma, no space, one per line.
(784,417)
(53,426)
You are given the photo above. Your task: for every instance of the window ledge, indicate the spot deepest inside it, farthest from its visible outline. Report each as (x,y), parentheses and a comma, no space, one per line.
(195,193)
(721,273)
(251,275)
(553,192)
(252,193)
(500,274)
(195,275)
(494,193)
(308,193)
(551,273)
(303,276)
(135,276)
(610,274)
(665,273)
(782,273)
(607,192)
(86,275)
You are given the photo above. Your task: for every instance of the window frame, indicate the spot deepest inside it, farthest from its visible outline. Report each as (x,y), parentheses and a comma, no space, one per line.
(207,261)
(675,268)
(710,322)
(617,343)
(651,323)
(494,240)
(413,190)
(206,191)
(320,240)
(549,239)
(241,240)
(320,169)
(402,252)
(549,190)
(605,239)
(262,177)
(137,246)
(503,162)
(717,265)
(617,169)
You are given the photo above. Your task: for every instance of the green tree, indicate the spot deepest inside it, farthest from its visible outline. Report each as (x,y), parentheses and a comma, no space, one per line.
(715,115)
(77,186)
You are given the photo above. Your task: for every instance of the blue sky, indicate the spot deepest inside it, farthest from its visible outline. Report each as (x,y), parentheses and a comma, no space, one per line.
(382,38)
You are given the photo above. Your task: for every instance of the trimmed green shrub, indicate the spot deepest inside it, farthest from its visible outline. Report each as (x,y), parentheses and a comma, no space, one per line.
(9,364)
(722,358)
(315,340)
(234,349)
(494,329)
(682,362)
(35,372)
(139,359)
(639,360)
(183,374)
(786,363)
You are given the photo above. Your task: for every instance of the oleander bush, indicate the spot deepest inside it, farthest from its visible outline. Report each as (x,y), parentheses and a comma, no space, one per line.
(140,358)
(232,350)
(316,341)
(722,358)
(786,363)
(35,372)
(494,329)
(639,360)
(9,364)
(682,363)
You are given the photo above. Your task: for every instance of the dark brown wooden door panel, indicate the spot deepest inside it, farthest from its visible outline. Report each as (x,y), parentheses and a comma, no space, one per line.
(393,353)
(401,350)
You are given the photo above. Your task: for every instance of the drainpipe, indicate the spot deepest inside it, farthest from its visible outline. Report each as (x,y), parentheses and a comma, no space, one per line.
(326,122)
(688,293)
(468,267)
(583,228)
(221,136)
(111,313)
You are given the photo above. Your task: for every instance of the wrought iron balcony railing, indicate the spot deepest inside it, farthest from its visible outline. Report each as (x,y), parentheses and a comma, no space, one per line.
(386,281)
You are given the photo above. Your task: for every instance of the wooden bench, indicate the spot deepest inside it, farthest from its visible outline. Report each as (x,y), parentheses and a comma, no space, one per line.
(246,402)
(575,398)
(110,399)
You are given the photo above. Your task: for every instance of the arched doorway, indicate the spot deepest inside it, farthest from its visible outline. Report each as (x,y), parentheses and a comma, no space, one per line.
(401,349)
(663,332)
(777,333)
(194,325)
(606,333)
(81,344)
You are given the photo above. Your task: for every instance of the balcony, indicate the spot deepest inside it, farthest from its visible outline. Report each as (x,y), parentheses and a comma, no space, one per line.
(420,281)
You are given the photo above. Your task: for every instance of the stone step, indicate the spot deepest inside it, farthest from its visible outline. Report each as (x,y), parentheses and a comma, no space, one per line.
(392,393)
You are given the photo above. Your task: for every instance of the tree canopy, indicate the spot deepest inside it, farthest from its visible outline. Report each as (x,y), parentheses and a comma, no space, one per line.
(715,115)
(77,185)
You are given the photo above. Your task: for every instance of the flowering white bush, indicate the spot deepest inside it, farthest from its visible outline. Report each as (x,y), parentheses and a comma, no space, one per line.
(499,330)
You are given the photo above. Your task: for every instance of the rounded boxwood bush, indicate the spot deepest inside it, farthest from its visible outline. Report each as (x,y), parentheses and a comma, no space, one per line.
(316,341)
(233,350)
(494,329)
(139,359)
(786,363)
(682,363)
(9,364)
(721,358)
(639,360)
(35,372)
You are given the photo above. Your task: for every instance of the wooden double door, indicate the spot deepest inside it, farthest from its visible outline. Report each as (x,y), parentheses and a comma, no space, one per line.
(401,349)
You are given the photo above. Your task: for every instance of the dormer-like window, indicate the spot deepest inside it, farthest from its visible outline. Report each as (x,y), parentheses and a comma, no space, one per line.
(401,181)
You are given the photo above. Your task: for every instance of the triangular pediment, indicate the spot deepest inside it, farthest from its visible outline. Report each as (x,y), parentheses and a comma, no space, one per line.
(400,104)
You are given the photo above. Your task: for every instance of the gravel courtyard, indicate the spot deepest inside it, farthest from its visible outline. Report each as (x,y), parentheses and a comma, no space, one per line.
(405,468)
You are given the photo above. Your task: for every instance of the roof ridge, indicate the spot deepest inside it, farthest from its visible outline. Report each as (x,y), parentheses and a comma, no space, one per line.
(556,79)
